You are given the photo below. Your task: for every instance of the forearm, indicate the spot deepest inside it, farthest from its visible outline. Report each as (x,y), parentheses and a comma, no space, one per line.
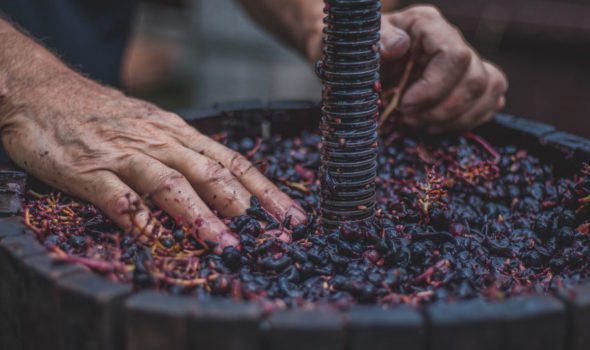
(31,74)
(98,145)
(24,65)
(298,23)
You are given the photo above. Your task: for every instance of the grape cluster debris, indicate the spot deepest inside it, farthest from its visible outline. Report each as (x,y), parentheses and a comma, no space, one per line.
(455,219)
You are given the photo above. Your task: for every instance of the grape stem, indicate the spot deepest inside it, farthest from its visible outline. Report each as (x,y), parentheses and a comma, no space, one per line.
(398,90)
(483,143)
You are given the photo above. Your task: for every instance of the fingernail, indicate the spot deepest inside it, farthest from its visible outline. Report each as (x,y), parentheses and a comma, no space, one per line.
(297,214)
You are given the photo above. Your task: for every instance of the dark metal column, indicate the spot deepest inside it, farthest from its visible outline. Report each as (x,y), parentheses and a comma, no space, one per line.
(349,70)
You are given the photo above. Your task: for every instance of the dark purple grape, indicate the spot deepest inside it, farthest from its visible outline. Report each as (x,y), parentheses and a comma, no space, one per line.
(483,234)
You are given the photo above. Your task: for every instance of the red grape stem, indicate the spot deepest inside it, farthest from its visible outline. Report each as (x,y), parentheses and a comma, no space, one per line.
(97,265)
(483,143)
(255,149)
(398,91)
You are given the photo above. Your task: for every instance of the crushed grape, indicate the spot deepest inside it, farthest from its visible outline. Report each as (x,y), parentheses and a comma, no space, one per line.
(455,219)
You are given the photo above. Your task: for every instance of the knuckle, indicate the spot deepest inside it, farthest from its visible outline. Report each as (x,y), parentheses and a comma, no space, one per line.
(428,12)
(129,160)
(173,119)
(213,170)
(239,165)
(168,180)
(169,115)
(216,173)
(462,56)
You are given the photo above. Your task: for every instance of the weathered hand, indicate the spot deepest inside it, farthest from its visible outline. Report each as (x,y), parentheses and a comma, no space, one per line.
(451,88)
(97,144)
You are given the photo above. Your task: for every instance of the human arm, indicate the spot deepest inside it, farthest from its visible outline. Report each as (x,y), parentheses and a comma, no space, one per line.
(95,143)
(454,89)
(297,23)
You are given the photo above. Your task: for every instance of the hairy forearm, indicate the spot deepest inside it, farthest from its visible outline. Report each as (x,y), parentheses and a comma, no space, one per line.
(96,144)
(31,75)
(298,23)
(24,66)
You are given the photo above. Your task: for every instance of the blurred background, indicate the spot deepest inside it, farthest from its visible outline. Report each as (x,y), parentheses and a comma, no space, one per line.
(198,52)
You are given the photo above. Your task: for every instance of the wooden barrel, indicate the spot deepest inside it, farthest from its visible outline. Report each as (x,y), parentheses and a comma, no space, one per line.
(48,305)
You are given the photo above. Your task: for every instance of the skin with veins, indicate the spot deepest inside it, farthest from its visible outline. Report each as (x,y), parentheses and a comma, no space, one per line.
(101,146)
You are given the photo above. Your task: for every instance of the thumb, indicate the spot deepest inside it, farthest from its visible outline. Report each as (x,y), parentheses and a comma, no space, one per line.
(395,42)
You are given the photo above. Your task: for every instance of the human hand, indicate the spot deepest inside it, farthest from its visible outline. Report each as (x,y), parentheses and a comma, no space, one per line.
(96,144)
(451,87)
